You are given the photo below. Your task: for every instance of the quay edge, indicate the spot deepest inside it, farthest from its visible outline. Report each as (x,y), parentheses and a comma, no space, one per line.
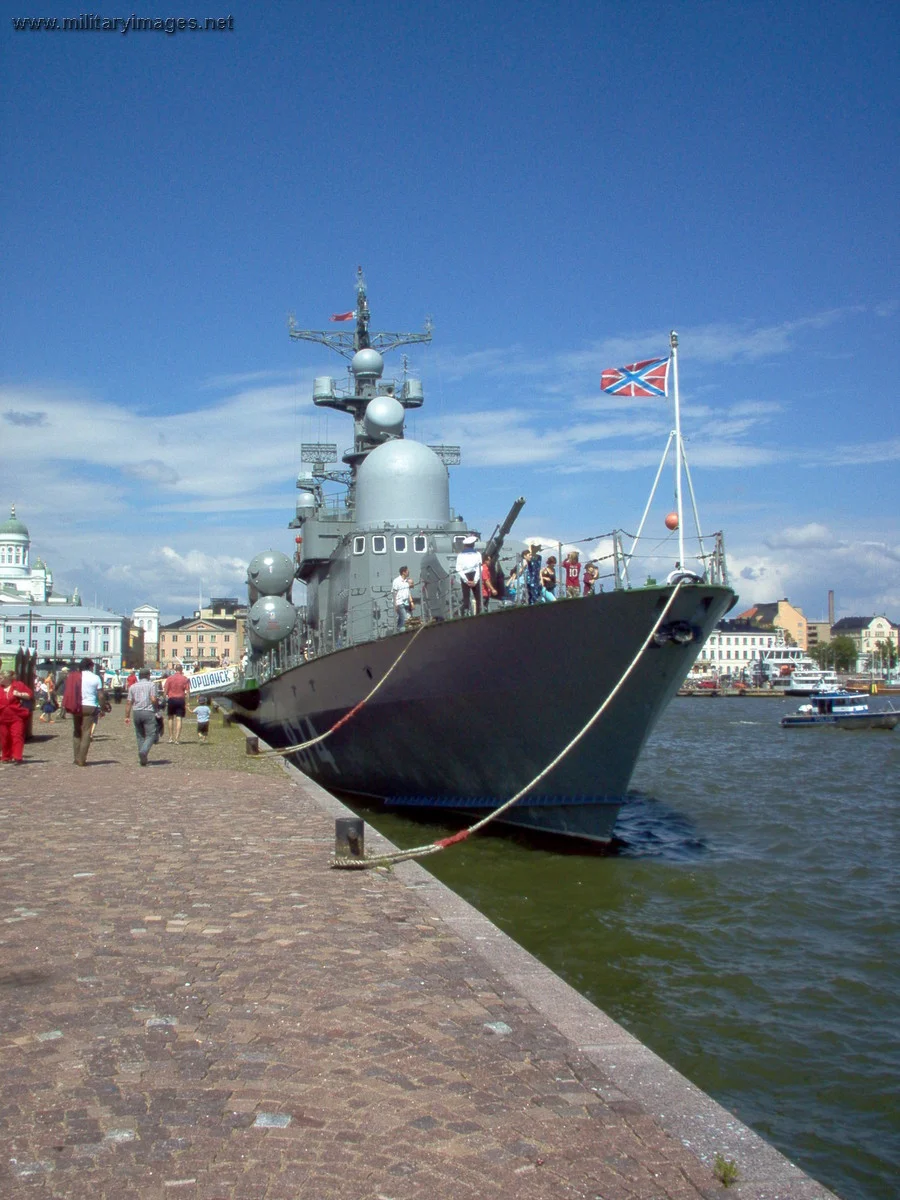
(642,1078)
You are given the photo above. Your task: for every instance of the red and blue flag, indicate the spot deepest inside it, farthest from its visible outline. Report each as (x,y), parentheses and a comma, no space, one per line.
(647,378)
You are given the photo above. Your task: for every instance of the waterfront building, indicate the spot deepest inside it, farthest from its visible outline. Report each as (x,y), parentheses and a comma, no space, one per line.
(64,634)
(21,579)
(780,614)
(818,633)
(867,632)
(734,647)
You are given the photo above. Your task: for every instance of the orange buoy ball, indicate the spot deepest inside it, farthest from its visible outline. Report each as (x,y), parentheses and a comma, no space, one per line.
(672,520)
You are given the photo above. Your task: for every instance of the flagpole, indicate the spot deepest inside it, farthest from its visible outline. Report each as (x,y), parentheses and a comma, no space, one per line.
(673,342)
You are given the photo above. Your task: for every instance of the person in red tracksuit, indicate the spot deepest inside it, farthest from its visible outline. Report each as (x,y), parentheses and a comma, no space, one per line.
(16,699)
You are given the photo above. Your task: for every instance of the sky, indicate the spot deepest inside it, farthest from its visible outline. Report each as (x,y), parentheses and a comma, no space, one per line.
(556,186)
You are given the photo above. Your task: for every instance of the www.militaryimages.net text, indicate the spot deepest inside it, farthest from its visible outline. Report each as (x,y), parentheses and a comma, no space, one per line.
(94,23)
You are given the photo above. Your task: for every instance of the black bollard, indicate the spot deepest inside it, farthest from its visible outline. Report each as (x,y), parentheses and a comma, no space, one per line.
(252,745)
(349,837)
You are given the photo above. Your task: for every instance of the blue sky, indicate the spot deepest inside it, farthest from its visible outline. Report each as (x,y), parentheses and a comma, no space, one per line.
(558,186)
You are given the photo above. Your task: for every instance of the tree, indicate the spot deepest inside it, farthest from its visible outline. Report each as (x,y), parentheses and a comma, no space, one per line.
(822,655)
(887,652)
(844,653)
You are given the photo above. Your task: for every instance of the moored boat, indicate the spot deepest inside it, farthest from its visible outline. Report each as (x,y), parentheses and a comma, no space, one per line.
(809,681)
(445,711)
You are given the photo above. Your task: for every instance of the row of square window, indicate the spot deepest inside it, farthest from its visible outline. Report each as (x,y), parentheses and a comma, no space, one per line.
(60,645)
(188,637)
(380,544)
(768,642)
(61,630)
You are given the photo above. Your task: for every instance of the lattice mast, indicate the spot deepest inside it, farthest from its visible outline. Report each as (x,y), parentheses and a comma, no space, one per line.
(364,385)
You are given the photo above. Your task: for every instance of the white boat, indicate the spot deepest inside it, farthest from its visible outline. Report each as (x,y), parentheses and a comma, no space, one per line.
(778,664)
(808,681)
(843,710)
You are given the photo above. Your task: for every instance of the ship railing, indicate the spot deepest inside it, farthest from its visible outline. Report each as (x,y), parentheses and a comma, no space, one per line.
(617,569)
(704,557)
(334,508)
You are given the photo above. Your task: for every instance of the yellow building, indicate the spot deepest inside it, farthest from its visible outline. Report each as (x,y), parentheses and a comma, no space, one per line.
(196,641)
(780,614)
(212,637)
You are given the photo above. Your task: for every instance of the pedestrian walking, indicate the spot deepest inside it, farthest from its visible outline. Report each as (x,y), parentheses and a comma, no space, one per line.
(176,688)
(202,712)
(84,698)
(141,704)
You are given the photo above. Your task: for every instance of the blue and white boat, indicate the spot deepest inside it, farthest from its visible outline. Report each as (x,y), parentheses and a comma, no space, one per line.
(843,710)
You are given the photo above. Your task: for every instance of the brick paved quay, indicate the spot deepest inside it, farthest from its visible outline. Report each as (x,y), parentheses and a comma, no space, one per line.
(193,1004)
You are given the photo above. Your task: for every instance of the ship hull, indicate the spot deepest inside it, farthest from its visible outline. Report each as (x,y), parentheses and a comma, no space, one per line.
(479,706)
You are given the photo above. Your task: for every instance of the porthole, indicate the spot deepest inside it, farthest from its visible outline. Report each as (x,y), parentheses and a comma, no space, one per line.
(399,543)
(379,544)
(420,543)
(359,545)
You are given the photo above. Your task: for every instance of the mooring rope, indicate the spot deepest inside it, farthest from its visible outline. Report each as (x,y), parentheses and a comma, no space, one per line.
(273,752)
(384,860)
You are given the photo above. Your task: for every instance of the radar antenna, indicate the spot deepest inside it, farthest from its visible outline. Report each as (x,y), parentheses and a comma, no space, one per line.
(346,343)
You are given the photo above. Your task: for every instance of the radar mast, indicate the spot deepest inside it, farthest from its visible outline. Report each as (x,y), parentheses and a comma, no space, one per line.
(346,343)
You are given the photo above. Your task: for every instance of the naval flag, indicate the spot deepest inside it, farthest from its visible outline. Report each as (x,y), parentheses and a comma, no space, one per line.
(347,316)
(647,378)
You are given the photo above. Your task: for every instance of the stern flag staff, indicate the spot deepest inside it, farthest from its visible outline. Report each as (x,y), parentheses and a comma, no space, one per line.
(650,378)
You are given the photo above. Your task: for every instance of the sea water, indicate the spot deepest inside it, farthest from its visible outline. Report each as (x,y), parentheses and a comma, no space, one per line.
(746,929)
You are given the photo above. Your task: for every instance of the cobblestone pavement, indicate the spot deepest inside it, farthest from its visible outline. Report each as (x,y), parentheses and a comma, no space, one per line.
(192,1003)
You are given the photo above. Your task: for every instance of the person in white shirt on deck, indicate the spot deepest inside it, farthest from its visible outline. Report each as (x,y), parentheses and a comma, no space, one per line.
(402,596)
(468,568)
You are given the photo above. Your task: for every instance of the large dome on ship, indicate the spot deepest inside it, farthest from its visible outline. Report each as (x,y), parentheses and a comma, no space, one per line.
(402,483)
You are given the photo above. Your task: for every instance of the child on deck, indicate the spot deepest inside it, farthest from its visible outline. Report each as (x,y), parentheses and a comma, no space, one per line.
(202,713)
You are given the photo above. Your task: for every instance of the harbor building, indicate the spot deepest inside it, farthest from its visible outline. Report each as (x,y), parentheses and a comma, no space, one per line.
(734,646)
(64,634)
(869,634)
(780,614)
(818,633)
(212,637)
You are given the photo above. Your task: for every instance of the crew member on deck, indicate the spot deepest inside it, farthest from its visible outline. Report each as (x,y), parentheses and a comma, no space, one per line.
(468,568)
(402,597)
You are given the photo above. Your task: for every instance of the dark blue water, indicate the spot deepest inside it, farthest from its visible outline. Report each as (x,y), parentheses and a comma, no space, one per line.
(746,930)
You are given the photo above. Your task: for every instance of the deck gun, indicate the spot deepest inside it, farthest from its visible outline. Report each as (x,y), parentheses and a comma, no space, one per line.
(495,541)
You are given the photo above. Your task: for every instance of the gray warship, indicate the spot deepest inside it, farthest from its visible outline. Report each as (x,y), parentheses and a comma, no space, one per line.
(454,713)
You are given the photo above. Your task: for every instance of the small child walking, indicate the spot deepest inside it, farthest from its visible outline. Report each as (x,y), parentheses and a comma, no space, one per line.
(202,713)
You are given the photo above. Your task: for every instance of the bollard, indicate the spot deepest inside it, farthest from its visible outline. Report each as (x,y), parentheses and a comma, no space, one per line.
(252,745)
(349,837)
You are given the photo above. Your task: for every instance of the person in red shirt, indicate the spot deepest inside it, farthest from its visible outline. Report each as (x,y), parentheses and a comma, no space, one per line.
(488,591)
(572,572)
(177,688)
(16,699)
